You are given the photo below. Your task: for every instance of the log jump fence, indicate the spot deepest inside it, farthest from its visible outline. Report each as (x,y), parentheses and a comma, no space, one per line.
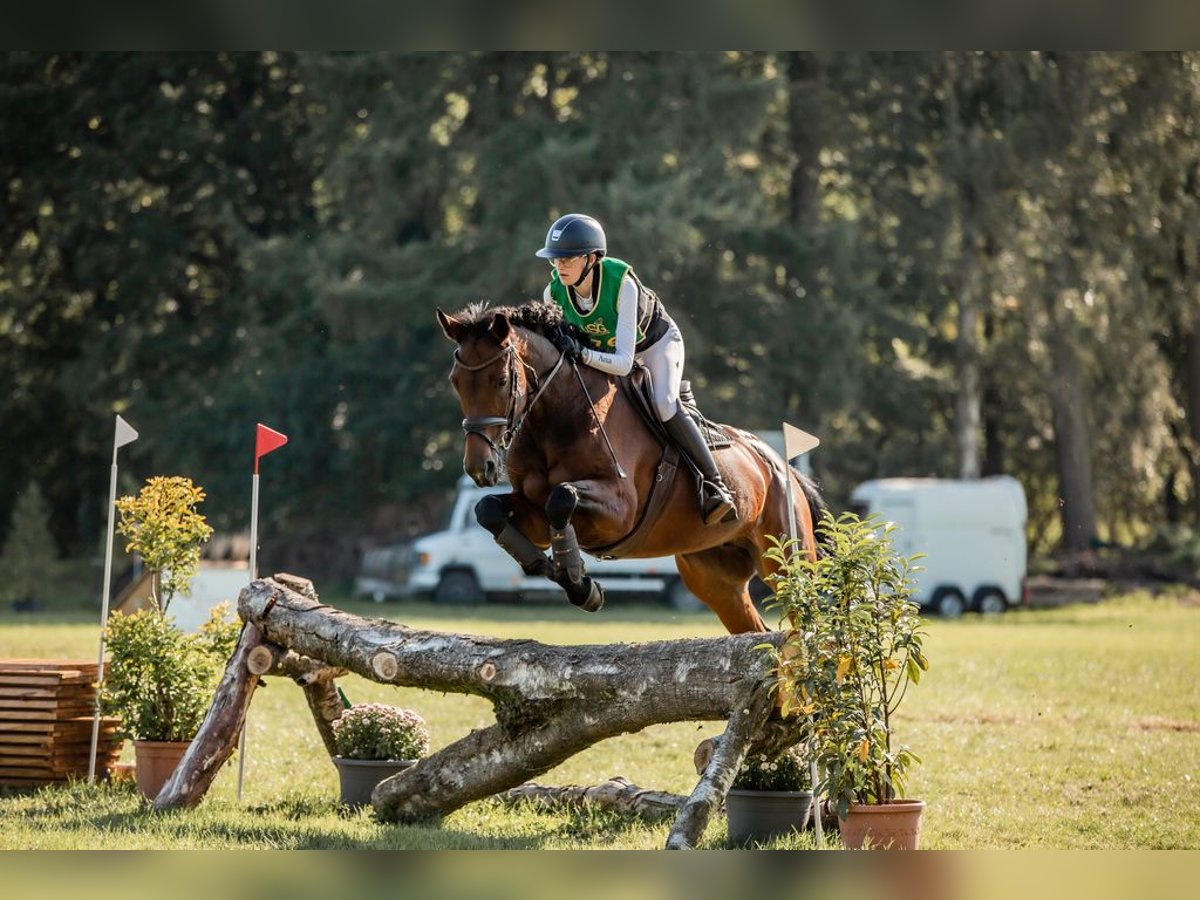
(550,703)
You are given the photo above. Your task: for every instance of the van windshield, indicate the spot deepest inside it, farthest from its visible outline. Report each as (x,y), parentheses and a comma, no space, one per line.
(445,512)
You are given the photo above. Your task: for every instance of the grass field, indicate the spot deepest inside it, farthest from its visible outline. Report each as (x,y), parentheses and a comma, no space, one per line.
(1069,728)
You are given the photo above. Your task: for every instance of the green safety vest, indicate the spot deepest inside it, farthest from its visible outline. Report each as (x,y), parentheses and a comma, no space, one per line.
(600,324)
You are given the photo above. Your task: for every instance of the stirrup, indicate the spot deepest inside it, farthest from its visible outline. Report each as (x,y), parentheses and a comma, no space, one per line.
(718,505)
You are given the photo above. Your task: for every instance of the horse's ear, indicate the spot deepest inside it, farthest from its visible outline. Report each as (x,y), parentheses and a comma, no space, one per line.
(500,327)
(452,327)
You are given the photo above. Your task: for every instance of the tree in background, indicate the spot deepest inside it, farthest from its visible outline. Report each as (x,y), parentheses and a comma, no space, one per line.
(29,559)
(943,263)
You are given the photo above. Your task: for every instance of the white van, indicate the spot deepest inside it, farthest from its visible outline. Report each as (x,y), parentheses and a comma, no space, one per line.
(971,531)
(463,564)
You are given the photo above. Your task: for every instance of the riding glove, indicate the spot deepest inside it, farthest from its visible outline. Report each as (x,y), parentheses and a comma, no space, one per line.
(568,346)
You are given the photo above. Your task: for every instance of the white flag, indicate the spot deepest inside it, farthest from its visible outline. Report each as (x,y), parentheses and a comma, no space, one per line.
(125,434)
(797,442)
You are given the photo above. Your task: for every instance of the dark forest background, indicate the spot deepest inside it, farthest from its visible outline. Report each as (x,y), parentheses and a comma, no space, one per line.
(949,264)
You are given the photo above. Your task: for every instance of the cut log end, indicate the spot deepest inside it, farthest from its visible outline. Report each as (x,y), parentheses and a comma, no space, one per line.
(260,660)
(704,754)
(384,665)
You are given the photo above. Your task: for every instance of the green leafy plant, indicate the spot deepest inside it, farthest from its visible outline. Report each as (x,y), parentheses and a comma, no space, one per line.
(853,646)
(378,731)
(160,680)
(786,771)
(161,525)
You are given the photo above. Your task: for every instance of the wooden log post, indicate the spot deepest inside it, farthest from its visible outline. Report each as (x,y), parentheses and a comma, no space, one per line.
(750,713)
(218,734)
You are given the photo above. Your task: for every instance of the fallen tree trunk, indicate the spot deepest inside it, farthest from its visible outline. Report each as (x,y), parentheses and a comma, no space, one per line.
(617,794)
(550,701)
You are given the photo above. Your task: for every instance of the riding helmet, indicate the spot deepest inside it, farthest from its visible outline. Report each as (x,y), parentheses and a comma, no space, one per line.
(574,235)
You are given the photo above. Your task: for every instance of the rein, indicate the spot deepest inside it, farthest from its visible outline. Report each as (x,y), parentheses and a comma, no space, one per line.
(511,421)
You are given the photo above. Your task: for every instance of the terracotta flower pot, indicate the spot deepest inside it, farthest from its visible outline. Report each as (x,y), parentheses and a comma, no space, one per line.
(358,777)
(763,815)
(156,761)
(885,826)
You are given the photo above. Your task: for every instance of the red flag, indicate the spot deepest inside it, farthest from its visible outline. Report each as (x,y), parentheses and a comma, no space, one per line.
(265,440)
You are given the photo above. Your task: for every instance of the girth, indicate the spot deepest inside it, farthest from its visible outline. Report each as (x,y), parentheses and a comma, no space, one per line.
(634,387)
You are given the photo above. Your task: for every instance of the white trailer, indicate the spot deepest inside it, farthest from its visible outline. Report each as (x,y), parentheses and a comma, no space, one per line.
(971,531)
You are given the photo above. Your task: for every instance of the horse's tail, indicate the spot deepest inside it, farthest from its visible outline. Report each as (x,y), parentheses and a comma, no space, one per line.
(817,508)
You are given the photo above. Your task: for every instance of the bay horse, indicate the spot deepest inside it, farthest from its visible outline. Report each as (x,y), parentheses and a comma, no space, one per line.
(582,463)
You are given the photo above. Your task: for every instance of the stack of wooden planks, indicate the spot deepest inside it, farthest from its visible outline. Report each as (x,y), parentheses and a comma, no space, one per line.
(46,710)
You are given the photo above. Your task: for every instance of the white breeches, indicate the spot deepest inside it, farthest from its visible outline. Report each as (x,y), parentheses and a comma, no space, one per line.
(664,360)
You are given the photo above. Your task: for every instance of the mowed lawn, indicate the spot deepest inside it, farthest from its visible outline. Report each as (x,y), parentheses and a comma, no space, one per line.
(1069,728)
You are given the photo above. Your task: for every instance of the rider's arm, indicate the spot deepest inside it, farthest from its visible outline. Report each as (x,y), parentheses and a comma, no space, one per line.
(620,360)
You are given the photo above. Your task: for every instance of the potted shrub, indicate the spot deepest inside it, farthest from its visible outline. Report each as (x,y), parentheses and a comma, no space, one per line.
(853,647)
(375,741)
(160,680)
(771,796)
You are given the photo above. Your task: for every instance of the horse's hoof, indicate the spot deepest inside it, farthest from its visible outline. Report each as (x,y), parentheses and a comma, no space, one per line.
(592,599)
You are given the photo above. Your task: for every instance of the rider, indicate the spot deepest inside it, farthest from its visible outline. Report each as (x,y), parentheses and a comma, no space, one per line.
(625,321)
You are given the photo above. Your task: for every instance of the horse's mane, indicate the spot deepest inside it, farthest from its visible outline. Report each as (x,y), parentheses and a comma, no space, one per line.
(542,317)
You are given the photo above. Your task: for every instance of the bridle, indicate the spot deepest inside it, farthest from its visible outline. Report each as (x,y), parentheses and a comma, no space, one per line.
(511,420)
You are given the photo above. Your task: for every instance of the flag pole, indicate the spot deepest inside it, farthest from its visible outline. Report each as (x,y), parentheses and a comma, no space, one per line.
(123,435)
(253,577)
(266,440)
(796,443)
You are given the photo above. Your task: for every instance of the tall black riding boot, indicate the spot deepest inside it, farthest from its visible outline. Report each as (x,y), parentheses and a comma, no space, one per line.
(716,503)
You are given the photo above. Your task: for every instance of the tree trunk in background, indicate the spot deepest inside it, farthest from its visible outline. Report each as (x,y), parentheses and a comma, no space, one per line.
(804,140)
(968,423)
(964,148)
(1192,401)
(1068,398)
(992,411)
(804,136)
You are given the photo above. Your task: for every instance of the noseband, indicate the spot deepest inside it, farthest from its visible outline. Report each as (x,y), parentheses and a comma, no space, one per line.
(511,421)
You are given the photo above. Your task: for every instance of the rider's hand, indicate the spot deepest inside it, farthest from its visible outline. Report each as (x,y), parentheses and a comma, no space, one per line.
(568,346)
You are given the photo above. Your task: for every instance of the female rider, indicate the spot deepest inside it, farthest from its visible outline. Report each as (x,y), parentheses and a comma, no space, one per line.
(625,321)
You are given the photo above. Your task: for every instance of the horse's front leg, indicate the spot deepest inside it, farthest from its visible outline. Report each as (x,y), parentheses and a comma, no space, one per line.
(511,519)
(582,590)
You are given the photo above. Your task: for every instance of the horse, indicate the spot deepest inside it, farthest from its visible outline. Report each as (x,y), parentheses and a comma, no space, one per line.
(582,464)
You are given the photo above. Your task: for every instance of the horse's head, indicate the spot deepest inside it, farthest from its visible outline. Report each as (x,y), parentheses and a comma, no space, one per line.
(485,376)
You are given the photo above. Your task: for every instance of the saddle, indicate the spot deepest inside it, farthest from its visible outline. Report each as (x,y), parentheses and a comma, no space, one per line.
(638,389)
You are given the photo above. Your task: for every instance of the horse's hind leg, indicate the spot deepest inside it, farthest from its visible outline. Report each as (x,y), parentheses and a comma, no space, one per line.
(582,590)
(721,578)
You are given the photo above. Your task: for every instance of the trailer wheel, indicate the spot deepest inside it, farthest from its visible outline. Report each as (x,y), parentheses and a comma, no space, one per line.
(678,597)
(989,601)
(458,588)
(948,602)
